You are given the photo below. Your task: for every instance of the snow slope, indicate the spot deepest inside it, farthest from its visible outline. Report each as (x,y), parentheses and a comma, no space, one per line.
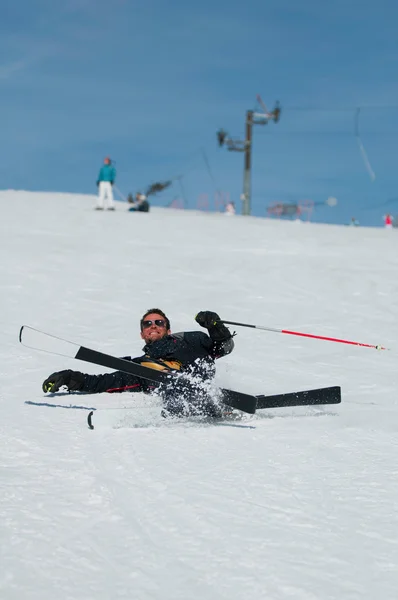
(291,504)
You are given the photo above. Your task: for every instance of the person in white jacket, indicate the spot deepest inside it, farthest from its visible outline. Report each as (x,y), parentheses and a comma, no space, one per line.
(105,181)
(230,209)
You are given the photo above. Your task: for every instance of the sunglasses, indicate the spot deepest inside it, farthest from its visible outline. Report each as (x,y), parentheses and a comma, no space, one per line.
(157,322)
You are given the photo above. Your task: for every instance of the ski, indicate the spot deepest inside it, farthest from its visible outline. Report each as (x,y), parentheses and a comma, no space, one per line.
(90,419)
(244,402)
(327,395)
(319,396)
(133,419)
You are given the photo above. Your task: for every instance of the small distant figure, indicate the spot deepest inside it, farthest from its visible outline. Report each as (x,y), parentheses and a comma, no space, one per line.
(230,209)
(354,222)
(388,219)
(140,204)
(276,113)
(221,136)
(105,181)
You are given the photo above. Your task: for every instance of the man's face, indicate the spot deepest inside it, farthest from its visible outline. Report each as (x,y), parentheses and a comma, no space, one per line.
(152,331)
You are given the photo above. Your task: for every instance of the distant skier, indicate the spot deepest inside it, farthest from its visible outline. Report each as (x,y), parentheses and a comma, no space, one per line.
(388,221)
(140,204)
(191,352)
(230,209)
(105,181)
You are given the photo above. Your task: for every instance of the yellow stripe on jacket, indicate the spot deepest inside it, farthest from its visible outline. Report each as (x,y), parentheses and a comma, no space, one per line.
(162,365)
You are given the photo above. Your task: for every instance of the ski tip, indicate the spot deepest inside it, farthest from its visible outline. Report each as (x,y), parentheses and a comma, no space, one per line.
(337,397)
(20,333)
(90,419)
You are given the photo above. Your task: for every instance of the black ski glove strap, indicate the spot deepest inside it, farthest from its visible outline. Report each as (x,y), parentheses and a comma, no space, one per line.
(73,380)
(211,321)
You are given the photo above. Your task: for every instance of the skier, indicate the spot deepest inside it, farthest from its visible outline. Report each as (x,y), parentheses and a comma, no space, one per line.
(230,209)
(192,353)
(140,204)
(388,221)
(105,181)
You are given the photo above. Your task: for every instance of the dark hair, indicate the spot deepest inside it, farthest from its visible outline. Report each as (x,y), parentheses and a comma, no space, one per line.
(156,311)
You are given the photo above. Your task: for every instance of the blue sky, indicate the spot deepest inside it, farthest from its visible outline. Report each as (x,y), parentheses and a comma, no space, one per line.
(149,83)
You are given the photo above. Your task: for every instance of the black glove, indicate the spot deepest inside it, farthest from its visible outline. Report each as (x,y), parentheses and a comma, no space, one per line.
(207,319)
(98,182)
(112,182)
(73,380)
(211,321)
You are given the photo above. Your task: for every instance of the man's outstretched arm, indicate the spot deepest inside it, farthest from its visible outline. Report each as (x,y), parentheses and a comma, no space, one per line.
(75,381)
(220,335)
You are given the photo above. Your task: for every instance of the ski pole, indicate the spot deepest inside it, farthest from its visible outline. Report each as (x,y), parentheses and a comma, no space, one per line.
(120,193)
(309,335)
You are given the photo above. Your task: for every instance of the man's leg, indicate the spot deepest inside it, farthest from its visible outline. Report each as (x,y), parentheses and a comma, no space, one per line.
(101,195)
(109,195)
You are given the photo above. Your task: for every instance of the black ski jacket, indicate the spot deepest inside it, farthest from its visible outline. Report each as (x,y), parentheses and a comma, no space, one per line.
(192,351)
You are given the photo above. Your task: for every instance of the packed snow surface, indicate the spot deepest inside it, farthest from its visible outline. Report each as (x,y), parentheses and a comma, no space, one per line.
(296,503)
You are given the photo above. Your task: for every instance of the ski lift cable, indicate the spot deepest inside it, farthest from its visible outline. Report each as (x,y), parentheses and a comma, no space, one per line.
(209,170)
(361,146)
(380,204)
